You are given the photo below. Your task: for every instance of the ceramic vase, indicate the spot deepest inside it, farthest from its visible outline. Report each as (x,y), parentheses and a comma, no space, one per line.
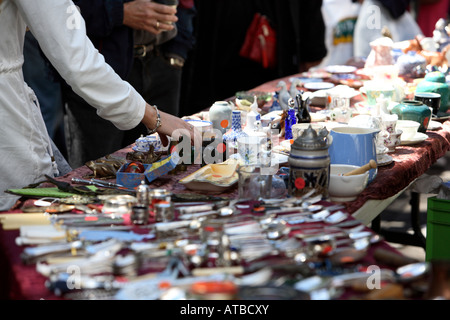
(220,116)
(231,136)
(436,82)
(413,110)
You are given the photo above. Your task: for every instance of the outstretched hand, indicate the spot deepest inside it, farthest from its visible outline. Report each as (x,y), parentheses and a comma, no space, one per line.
(173,127)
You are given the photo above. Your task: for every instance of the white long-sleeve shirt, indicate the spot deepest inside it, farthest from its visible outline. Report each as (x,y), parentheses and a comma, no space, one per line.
(25,154)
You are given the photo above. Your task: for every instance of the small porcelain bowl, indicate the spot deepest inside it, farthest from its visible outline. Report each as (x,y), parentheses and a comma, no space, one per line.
(118,205)
(346,188)
(408,127)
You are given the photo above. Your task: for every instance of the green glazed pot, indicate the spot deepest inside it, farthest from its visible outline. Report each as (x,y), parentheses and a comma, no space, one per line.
(413,110)
(435,82)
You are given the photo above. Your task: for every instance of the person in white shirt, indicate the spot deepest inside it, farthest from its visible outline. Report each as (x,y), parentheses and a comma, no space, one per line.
(27,154)
(340,18)
(376,16)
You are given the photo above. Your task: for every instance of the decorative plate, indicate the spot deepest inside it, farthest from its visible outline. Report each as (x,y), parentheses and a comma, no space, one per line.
(216,177)
(384,160)
(419,137)
(340,69)
(318,85)
(434,125)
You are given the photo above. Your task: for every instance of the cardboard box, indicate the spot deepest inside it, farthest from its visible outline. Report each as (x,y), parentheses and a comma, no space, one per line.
(152,172)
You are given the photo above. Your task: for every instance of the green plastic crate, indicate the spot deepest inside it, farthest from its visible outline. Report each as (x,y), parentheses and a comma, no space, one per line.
(438,229)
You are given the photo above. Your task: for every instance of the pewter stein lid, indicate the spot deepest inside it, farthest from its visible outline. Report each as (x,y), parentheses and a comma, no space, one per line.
(311,140)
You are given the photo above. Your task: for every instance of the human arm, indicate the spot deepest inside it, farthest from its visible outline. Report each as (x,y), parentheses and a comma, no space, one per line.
(102,16)
(72,54)
(149,16)
(61,33)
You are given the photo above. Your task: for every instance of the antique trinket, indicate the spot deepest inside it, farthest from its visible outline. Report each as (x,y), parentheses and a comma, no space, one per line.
(309,164)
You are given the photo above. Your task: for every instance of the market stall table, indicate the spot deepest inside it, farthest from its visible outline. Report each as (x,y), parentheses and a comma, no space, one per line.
(20,281)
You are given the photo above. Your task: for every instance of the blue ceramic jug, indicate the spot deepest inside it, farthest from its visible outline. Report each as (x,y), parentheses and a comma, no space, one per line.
(355,146)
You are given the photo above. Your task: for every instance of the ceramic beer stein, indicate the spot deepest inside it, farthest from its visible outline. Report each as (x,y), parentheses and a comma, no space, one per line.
(309,163)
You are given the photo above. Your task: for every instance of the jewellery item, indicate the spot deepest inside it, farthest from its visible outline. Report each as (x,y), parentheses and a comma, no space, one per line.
(176,62)
(158,121)
(157,25)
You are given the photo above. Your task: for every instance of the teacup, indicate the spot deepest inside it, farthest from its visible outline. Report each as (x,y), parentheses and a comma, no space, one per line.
(393,140)
(431,99)
(341,115)
(374,89)
(336,100)
(408,127)
(252,149)
(389,122)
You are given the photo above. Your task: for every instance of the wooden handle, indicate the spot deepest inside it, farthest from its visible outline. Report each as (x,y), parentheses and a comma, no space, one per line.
(371,165)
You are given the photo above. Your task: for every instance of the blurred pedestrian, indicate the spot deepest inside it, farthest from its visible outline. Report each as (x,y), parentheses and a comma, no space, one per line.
(119,30)
(378,16)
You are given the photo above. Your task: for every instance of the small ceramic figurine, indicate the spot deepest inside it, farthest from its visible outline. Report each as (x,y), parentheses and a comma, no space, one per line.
(283,95)
(275,103)
(293,90)
(252,116)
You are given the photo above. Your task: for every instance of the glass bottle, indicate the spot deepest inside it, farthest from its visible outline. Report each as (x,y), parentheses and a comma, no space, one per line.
(303,115)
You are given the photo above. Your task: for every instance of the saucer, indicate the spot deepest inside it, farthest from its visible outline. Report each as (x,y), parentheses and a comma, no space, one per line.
(304,80)
(318,85)
(363,107)
(434,125)
(276,158)
(318,117)
(441,116)
(384,160)
(337,69)
(213,177)
(419,137)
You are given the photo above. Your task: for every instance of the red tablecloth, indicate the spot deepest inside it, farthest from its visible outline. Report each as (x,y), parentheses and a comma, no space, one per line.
(19,281)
